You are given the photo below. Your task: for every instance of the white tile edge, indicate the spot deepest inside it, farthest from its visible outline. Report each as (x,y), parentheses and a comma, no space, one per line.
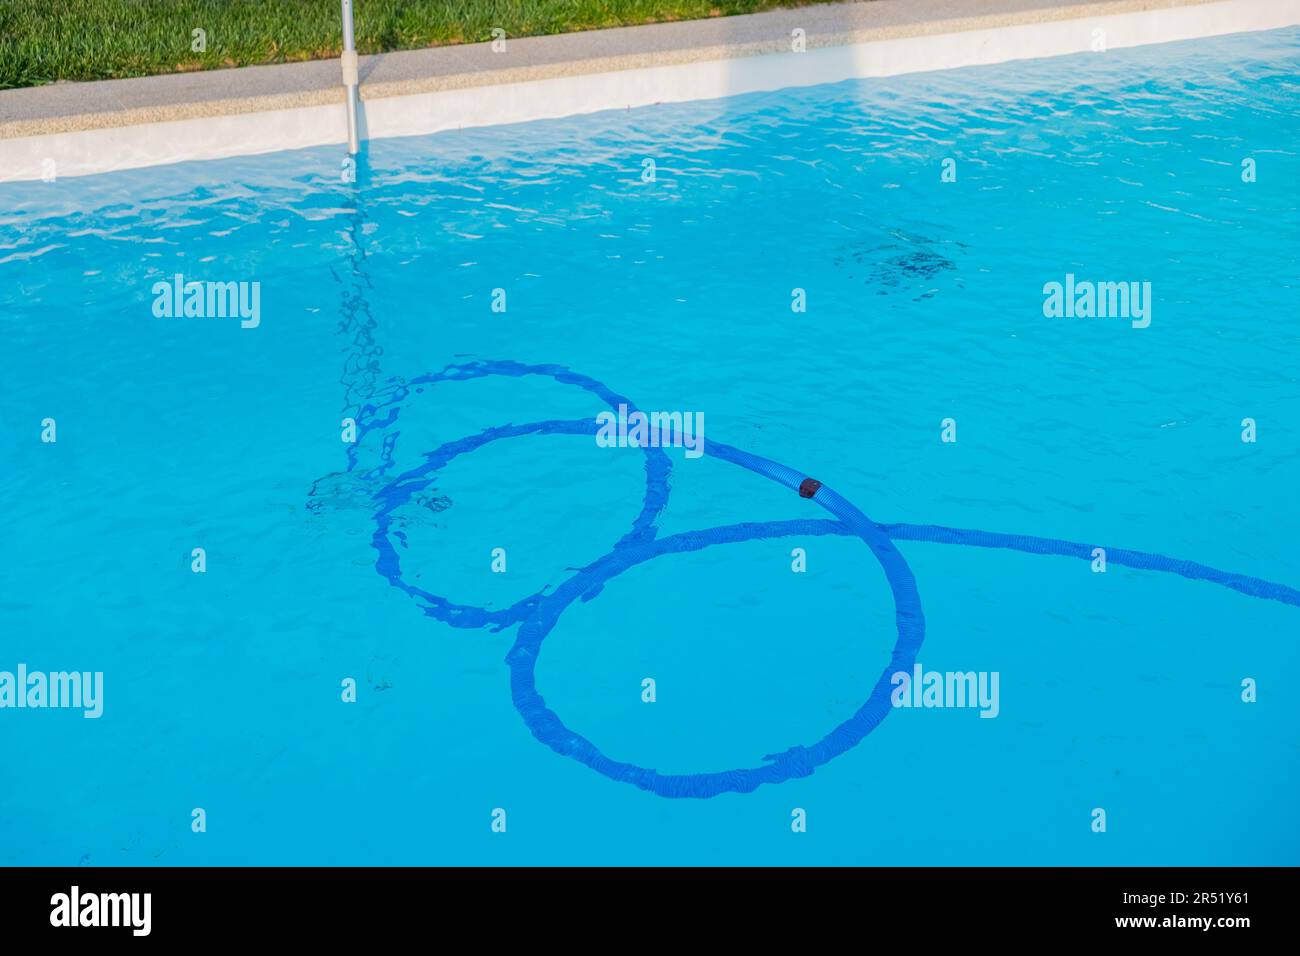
(89,152)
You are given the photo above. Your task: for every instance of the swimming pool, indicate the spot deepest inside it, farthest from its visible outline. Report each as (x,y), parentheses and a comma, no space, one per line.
(841,280)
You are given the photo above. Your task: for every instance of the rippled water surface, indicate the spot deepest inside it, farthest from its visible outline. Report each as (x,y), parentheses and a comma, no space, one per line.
(1119,691)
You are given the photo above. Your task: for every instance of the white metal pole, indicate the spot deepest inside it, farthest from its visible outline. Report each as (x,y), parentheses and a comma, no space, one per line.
(350,79)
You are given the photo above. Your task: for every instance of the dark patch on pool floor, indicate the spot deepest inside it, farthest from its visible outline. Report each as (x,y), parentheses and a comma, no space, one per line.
(901,264)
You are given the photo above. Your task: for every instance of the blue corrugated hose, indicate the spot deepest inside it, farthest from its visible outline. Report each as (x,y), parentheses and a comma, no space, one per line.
(538,613)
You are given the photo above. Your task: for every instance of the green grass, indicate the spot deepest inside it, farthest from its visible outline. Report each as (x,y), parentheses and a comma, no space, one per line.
(42,41)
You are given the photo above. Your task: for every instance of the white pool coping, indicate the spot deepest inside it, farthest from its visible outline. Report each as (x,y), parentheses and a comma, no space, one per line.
(88,128)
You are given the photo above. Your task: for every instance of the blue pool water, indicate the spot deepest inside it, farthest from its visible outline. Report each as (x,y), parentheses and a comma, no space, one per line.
(925,301)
